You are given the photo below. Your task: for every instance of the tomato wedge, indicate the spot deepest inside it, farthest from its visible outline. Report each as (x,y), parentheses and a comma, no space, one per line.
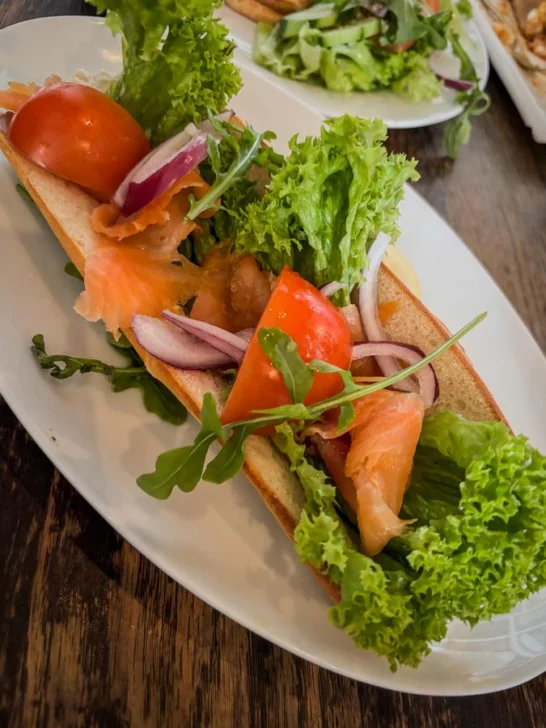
(320,332)
(79,134)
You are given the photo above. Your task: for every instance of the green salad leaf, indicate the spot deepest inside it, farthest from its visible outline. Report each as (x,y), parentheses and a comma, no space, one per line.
(320,538)
(328,202)
(411,26)
(479,496)
(359,63)
(474,102)
(183,466)
(457,132)
(283,353)
(237,168)
(419,83)
(177,62)
(156,398)
(229,160)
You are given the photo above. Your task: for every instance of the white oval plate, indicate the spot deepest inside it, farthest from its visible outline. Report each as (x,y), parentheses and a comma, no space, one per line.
(220,541)
(395,112)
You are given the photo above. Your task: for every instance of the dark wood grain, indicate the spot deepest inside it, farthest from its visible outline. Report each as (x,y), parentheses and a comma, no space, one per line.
(93,635)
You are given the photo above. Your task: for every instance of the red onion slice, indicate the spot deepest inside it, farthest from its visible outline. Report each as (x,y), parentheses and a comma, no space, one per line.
(165,165)
(429,387)
(367,300)
(231,344)
(330,288)
(163,154)
(176,347)
(457,84)
(161,176)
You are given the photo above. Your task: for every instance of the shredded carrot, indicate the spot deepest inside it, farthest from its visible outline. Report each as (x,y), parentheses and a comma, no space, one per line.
(107,219)
(386,310)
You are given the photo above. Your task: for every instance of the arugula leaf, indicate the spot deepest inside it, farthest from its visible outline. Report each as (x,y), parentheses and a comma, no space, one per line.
(231,457)
(245,147)
(474,102)
(346,410)
(62,366)
(457,132)
(177,62)
(71,270)
(209,417)
(171,465)
(411,26)
(183,466)
(156,398)
(283,353)
(467,71)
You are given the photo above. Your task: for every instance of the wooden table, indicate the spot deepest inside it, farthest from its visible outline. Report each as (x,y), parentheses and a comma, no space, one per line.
(91,634)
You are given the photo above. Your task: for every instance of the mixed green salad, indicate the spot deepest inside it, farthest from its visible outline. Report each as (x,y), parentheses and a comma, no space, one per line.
(364,45)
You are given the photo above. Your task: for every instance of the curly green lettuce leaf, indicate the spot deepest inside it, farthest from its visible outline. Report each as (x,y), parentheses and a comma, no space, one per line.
(481,556)
(321,538)
(478,548)
(177,62)
(328,202)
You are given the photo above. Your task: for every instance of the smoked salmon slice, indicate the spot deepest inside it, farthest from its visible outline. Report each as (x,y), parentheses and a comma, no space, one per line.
(384,436)
(107,218)
(124,280)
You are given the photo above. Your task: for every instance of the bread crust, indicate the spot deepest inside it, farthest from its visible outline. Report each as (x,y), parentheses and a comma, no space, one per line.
(67,209)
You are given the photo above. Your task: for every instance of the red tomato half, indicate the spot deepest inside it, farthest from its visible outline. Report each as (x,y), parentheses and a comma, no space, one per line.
(320,332)
(79,134)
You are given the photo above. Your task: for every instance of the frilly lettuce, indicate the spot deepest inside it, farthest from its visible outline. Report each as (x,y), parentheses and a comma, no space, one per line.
(320,538)
(327,203)
(478,548)
(177,62)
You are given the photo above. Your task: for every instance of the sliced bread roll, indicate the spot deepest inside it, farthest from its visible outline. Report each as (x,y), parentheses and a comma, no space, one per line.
(67,209)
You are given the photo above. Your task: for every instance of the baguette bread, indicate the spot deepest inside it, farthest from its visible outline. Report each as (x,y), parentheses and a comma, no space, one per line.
(67,209)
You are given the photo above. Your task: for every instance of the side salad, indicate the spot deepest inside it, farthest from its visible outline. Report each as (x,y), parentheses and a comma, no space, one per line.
(361,45)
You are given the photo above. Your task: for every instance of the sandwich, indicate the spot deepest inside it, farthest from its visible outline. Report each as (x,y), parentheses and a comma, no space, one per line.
(253,287)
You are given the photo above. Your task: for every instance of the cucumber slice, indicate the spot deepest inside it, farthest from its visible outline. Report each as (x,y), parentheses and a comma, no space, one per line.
(291,25)
(351,33)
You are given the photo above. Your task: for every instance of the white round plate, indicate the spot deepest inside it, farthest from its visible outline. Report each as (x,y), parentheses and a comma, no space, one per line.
(395,111)
(220,541)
